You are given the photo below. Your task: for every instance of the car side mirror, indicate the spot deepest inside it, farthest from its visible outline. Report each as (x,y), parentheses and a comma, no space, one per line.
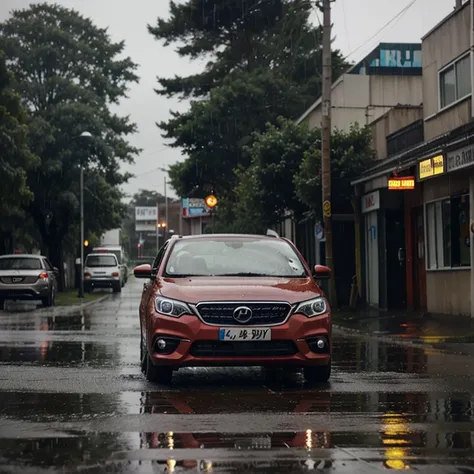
(143,271)
(321,272)
(55,269)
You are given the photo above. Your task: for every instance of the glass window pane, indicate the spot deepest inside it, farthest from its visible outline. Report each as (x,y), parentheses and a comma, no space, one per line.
(439,234)
(447,85)
(446,218)
(463,77)
(237,256)
(460,231)
(430,222)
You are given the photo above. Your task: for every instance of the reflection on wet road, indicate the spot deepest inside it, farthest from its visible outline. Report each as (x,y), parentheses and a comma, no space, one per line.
(72,397)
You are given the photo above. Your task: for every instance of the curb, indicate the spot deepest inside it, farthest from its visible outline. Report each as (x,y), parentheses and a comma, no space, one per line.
(401,341)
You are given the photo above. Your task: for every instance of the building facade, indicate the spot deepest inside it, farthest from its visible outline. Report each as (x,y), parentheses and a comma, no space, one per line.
(438,219)
(385,89)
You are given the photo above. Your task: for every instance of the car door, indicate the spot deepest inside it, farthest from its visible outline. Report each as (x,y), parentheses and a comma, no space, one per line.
(148,287)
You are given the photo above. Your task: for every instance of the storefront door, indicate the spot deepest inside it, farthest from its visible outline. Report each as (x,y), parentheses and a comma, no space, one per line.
(419,266)
(372,258)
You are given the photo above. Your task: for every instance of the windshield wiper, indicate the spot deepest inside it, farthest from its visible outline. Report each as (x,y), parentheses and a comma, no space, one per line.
(251,274)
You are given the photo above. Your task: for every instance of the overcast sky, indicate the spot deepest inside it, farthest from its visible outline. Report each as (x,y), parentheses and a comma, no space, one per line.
(355,22)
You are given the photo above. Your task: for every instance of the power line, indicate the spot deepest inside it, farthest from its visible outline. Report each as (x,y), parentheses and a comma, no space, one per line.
(394,19)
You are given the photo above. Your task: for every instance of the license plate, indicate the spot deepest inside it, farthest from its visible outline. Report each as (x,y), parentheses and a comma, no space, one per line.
(249,334)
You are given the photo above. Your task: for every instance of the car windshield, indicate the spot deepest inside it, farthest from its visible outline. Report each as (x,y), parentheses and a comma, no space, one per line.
(101,261)
(20,263)
(234,257)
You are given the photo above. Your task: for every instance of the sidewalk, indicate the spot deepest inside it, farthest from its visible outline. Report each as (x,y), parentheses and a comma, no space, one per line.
(443,332)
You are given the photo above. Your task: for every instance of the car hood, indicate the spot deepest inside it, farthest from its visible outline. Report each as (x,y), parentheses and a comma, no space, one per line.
(195,290)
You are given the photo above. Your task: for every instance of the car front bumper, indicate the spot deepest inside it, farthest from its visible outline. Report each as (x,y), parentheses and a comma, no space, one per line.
(102,282)
(195,344)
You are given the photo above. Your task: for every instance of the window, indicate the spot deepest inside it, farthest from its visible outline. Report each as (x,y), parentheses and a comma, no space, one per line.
(242,257)
(455,81)
(159,257)
(101,260)
(448,233)
(20,263)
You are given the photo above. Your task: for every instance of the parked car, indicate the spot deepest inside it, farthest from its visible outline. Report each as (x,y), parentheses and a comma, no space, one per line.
(27,277)
(102,270)
(120,254)
(233,300)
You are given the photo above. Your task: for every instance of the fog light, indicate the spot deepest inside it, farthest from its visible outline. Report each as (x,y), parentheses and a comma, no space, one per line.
(320,344)
(161,344)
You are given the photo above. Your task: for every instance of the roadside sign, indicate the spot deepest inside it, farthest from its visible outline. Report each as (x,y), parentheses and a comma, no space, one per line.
(319,232)
(327,209)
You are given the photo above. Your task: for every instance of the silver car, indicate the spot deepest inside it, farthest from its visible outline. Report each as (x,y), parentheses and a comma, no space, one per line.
(102,270)
(27,277)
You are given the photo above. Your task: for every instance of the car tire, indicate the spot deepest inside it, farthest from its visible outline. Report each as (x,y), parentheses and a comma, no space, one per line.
(143,353)
(48,302)
(117,288)
(2,305)
(156,374)
(317,374)
(87,288)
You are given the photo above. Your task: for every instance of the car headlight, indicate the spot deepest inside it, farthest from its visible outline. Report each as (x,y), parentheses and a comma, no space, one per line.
(313,308)
(171,307)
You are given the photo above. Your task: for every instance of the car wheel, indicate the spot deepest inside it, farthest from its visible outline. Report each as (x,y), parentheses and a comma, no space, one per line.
(317,374)
(143,353)
(2,305)
(49,300)
(117,288)
(156,374)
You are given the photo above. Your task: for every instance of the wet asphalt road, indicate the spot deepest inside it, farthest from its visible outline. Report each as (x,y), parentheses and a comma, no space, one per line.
(72,399)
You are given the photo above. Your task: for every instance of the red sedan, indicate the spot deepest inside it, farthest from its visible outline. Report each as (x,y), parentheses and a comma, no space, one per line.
(233,300)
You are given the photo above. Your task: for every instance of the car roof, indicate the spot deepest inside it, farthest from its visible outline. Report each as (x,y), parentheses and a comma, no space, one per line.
(101,254)
(228,236)
(22,255)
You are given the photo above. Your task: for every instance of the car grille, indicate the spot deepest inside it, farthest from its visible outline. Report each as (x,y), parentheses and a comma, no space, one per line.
(18,279)
(243,349)
(262,313)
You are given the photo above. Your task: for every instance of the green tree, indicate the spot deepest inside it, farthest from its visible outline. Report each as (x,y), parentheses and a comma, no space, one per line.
(352,153)
(214,132)
(265,190)
(284,174)
(263,60)
(69,73)
(15,159)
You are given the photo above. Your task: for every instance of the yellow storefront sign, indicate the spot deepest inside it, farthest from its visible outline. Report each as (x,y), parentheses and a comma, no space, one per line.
(431,167)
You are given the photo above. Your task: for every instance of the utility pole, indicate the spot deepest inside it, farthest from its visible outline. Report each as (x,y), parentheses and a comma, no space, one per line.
(157,226)
(326,145)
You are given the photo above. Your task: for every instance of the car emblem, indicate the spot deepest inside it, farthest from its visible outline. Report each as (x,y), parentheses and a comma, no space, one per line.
(242,314)
(16,279)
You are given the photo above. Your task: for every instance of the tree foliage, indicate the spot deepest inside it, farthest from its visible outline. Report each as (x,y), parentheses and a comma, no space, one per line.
(352,153)
(285,173)
(266,190)
(68,73)
(15,155)
(263,61)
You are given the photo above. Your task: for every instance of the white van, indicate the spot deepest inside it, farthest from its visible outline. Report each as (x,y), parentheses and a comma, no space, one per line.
(120,254)
(102,270)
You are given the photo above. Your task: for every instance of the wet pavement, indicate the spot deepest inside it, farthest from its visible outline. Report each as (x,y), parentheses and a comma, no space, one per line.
(72,399)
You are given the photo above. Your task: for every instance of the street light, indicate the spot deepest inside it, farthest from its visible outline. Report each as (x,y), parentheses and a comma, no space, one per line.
(81,286)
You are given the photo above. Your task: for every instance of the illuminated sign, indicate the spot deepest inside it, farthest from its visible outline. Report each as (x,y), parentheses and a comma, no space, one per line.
(401,183)
(431,167)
